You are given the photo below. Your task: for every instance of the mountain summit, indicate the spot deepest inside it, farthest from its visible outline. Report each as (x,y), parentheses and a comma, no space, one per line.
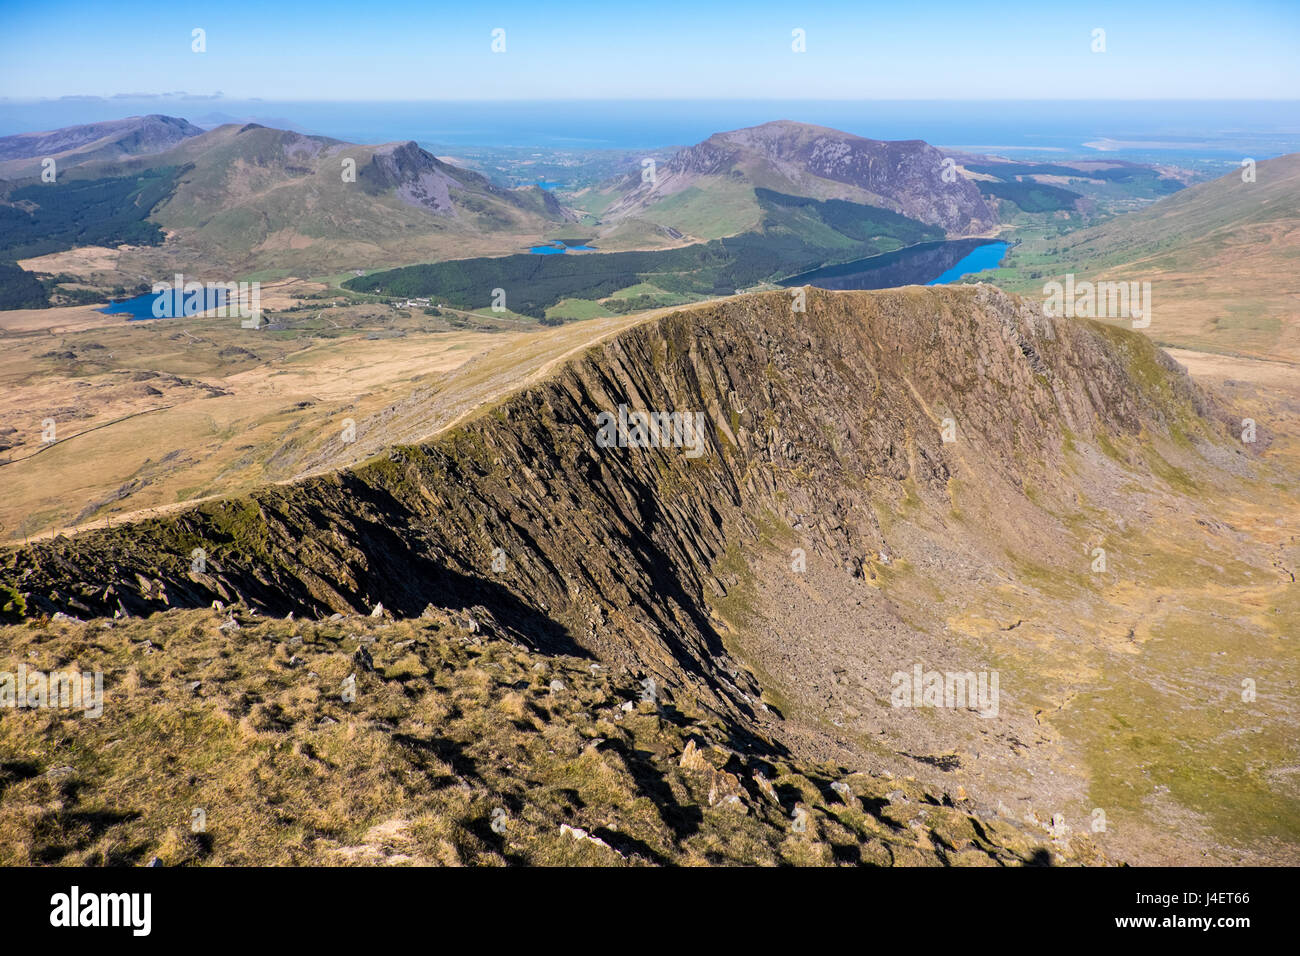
(905,176)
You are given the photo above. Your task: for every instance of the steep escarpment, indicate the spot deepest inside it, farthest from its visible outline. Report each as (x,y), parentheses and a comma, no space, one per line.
(811,418)
(928,478)
(907,173)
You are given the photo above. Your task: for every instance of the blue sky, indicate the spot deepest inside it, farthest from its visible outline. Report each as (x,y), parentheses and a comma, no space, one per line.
(396,49)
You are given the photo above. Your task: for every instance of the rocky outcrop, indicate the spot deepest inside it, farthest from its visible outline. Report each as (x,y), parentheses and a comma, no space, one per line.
(419,178)
(504,756)
(416,177)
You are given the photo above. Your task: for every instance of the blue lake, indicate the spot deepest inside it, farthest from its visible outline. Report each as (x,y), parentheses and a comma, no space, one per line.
(141,306)
(926,263)
(979,259)
(556,250)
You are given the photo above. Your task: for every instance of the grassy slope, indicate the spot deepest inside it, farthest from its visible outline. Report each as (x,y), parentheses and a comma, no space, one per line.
(718,208)
(223,408)
(455,724)
(1222,258)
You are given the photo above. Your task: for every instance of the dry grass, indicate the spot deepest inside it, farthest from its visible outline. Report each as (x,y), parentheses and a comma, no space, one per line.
(456,725)
(176,410)
(1221,259)
(149,414)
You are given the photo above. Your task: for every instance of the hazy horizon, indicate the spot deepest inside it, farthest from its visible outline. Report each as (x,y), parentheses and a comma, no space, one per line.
(1183,131)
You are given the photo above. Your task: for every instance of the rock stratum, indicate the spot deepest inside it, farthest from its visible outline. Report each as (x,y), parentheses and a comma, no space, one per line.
(913,448)
(801,410)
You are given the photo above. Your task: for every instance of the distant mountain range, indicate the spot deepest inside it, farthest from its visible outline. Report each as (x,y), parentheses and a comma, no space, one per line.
(21,155)
(246,198)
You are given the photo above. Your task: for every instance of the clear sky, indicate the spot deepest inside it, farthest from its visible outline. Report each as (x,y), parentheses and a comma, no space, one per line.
(670,49)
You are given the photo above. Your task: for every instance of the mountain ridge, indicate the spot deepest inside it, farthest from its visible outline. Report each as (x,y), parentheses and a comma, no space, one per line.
(627,370)
(826,441)
(904,176)
(21,154)
(254,197)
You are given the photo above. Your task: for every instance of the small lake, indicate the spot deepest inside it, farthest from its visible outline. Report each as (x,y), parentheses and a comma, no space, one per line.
(927,263)
(561,247)
(141,306)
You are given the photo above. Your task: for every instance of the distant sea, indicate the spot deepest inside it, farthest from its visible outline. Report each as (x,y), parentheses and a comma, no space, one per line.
(1170,131)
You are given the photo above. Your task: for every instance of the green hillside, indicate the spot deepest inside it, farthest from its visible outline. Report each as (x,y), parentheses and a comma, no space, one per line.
(1221,257)
(51,217)
(1031,197)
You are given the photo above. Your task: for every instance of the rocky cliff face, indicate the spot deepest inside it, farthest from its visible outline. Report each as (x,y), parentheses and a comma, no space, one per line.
(915,443)
(617,551)
(419,178)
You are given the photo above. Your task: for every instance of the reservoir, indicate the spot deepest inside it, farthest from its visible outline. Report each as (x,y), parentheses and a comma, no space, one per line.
(561,246)
(977,260)
(927,263)
(141,306)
